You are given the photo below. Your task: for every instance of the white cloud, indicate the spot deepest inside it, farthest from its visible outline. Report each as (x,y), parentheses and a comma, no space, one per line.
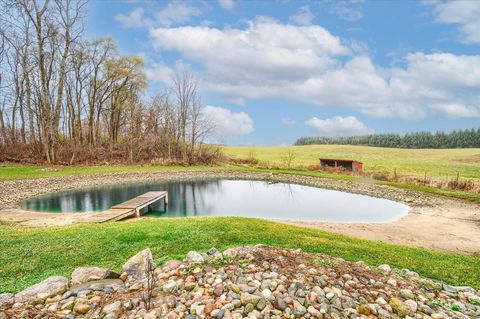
(160,73)
(228,123)
(464,13)
(176,12)
(303,17)
(456,110)
(347,10)
(265,51)
(308,64)
(133,19)
(227,4)
(288,121)
(339,126)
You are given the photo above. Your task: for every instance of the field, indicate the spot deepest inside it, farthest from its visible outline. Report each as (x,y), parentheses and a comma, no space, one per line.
(110,245)
(437,163)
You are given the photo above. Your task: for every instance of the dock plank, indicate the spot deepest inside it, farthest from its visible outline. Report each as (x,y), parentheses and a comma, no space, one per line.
(132,206)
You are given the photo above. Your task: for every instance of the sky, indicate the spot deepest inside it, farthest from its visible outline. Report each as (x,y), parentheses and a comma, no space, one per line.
(272,71)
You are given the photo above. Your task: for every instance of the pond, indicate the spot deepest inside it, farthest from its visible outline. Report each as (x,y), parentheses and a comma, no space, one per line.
(229,198)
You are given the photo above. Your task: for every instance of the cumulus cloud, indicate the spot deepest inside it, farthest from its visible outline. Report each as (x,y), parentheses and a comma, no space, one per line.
(227,4)
(227,123)
(266,52)
(464,13)
(303,17)
(339,126)
(308,64)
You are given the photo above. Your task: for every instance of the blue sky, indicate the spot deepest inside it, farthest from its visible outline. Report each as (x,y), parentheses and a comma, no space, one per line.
(273,71)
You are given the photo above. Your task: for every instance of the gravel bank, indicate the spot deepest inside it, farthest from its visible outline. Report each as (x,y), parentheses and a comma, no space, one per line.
(11,192)
(244,282)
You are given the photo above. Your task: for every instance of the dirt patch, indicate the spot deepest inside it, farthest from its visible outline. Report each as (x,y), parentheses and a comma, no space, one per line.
(433,222)
(469,159)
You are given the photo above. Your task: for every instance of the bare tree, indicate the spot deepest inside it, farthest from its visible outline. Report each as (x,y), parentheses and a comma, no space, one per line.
(67,100)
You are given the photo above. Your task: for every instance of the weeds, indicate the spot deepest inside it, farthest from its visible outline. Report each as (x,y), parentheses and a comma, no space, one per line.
(326,263)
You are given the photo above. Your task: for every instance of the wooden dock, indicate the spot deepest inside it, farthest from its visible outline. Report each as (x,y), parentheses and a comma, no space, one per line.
(133,207)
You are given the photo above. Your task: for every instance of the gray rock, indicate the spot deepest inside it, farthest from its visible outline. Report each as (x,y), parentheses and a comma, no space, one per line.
(385,268)
(194,257)
(50,287)
(412,305)
(137,266)
(407,294)
(99,285)
(426,310)
(113,307)
(85,274)
(5,299)
(299,311)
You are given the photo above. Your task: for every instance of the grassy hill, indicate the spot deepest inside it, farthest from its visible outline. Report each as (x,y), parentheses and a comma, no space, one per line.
(438,163)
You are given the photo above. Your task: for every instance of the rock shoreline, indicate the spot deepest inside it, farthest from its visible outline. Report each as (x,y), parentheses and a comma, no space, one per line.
(14,191)
(243,282)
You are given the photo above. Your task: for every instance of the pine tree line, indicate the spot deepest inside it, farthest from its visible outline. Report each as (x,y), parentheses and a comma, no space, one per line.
(467,138)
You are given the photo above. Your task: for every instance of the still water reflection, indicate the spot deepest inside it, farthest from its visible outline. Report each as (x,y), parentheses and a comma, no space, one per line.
(230,198)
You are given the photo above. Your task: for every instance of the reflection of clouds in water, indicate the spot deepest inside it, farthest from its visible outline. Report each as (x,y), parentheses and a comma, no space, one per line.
(284,189)
(230,198)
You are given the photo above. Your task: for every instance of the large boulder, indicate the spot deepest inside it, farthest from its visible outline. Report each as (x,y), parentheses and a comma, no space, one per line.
(137,266)
(50,287)
(99,285)
(85,274)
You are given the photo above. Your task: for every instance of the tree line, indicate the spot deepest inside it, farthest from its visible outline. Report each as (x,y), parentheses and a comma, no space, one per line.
(66,99)
(455,139)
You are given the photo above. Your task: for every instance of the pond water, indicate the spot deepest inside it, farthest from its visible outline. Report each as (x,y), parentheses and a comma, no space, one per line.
(229,198)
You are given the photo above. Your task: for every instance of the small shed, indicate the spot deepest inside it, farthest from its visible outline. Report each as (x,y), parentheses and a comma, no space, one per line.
(349,165)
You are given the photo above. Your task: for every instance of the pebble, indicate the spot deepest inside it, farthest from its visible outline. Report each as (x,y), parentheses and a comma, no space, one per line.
(283,284)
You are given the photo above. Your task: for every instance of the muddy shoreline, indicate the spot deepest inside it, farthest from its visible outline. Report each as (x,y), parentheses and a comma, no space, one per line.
(433,222)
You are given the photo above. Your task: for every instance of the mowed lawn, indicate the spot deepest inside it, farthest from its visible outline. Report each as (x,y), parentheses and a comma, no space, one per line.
(58,251)
(436,162)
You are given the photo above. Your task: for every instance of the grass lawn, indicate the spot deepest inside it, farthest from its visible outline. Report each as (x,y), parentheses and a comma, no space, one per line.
(438,163)
(9,171)
(58,251)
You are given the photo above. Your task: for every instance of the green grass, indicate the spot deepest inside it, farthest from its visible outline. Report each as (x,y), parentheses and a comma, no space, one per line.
(58,251)
(438,163)
(9,171)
